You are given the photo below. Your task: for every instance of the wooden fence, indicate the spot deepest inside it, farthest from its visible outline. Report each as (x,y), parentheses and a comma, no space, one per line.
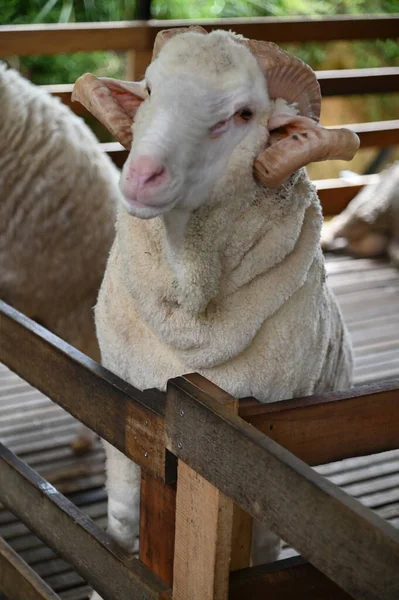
(182,544)
(258,465)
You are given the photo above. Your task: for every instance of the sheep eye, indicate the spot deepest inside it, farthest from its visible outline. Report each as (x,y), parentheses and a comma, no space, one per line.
(245,113)
(148,90)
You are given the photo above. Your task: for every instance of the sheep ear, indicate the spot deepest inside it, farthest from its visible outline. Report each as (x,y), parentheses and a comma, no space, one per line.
(114,103)
(297,141)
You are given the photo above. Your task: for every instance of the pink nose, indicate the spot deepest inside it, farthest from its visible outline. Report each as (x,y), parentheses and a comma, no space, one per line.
(144,174)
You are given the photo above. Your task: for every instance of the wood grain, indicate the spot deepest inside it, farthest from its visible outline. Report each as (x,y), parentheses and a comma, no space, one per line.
(18,581)
(332,426)
(335,194)
(204,525)
(346,541)
(289,579)
(23,40)
(348,82)
(137,63)
(129,419)
(75,537)
(157,526)
(204,520)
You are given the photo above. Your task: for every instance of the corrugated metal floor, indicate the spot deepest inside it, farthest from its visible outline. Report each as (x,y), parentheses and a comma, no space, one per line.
(39,431)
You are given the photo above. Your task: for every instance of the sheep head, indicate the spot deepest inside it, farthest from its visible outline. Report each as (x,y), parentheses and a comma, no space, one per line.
(208,93)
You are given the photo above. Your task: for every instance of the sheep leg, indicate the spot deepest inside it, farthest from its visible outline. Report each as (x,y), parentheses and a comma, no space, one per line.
(123,485)
(266,545)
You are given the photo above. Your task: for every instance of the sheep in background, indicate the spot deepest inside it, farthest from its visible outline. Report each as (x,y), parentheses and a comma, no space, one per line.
(369,226)
(219,274)
(58,197)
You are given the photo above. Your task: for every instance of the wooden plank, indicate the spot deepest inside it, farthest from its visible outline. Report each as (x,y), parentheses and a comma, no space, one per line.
(377,133)
(241,539)
(23,40)
(117,153)
(335,194)
(346,541)
(157,526)
(63,91)
(289,579)
(129,419)
(61,525)
(204,521)
(137,63)
(348,82)
(204,526)
(328,427)
(18,581)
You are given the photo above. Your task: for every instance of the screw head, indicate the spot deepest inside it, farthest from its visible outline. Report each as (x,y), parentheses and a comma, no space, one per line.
(180,445)
(182,413)
(146,454)
(146,423)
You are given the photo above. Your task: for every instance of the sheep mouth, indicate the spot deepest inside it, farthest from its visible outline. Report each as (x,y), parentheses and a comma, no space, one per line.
(147,210)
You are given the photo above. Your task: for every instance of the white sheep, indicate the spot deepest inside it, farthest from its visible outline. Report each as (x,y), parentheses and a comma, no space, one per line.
(219,274)
(369,226)
(58,197)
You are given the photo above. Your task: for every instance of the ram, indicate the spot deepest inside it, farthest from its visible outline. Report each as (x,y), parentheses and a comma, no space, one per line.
(217,266)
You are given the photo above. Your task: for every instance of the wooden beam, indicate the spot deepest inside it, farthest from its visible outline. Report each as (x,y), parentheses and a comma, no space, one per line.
(18,581)
(332,426)
(129,419)
(204,521)
(347,82)
(157,526)
(204,526)
(60,524)
(346,541)
(290,579)
(378,133)
(335,194)
(23,40)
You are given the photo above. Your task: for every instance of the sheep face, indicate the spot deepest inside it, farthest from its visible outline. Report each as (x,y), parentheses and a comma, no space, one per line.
(205,94)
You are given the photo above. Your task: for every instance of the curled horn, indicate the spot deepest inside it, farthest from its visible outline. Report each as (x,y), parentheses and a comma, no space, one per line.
(307,141)
(288,77)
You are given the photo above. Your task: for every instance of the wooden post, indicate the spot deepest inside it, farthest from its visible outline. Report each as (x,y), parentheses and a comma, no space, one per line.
(137,62)
(205,543)
(157,526)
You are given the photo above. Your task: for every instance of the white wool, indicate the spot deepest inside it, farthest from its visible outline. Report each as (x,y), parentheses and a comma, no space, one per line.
(58,196)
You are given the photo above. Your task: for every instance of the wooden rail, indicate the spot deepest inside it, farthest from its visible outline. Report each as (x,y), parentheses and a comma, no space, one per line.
(335,194)
(319,429)
(348,82)
(129,419)
(21,489)
(342,82)
(23,40)
(18,580)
